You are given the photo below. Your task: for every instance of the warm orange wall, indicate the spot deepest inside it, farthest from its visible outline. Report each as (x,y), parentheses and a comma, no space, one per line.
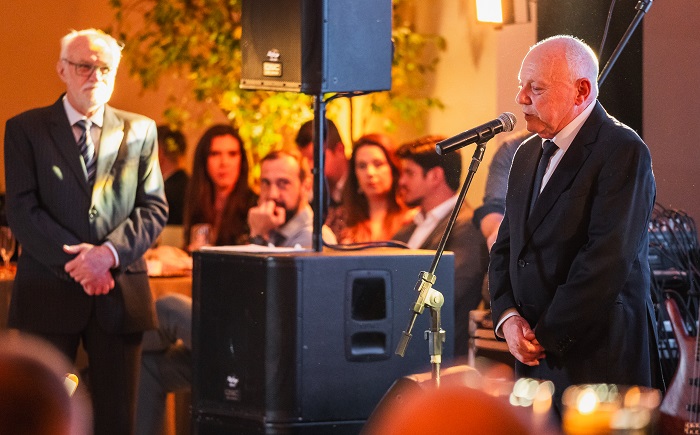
(30,34)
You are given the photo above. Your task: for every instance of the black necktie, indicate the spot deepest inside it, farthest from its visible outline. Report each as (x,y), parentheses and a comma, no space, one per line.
(549,149)
(87,149)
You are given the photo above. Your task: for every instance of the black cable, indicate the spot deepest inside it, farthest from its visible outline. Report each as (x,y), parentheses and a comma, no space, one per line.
(367,245)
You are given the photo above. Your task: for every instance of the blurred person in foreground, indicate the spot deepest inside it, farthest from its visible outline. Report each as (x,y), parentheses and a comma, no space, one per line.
(85,198)
(569,271)
(430,182)
(35,398)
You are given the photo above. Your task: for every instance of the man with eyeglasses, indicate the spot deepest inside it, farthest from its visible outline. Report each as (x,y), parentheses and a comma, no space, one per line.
(85,199)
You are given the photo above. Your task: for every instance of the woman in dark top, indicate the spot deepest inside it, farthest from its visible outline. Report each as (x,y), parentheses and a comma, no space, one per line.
(219,195)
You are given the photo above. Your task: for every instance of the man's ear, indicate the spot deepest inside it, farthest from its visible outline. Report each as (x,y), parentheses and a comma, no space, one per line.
(306,185)
(583,90)
(435,175)
(61,70)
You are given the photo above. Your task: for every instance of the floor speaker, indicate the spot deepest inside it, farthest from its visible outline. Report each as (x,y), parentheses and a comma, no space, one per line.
(316,46)
(304,342)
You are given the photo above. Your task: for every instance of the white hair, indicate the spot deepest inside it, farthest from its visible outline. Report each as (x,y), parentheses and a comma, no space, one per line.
(114,46)
(580,57)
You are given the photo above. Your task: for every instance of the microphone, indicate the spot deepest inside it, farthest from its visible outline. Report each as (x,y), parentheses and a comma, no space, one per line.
(505,122)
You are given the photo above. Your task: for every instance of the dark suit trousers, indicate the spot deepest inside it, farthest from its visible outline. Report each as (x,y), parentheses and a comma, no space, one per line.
(114,361)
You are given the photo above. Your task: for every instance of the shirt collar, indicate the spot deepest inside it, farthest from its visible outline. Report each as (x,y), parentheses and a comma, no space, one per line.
(567,134)
(337,194)
(74,116)
(437,213)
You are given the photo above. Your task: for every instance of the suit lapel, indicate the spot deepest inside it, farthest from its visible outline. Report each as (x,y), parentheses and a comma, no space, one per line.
(567,169)
(110,141)
(520,180)
(64,140)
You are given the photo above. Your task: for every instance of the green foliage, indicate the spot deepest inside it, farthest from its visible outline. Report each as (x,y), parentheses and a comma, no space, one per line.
(198,42)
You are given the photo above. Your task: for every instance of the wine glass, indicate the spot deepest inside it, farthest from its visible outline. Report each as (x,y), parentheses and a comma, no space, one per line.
(200,235)
(7,247)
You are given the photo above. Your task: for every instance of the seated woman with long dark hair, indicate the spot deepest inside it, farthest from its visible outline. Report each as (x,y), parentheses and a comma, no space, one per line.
(219,195)
(371,210)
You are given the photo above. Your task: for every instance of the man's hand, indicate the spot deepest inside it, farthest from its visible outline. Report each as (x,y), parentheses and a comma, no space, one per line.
(90,267)
(264,218)
(521,341)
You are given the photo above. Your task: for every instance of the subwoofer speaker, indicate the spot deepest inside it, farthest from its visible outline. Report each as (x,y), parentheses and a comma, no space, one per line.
(316,46)
(304,342)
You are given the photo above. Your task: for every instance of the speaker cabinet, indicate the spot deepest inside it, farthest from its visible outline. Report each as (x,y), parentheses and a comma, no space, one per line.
(304,342)
(316,46)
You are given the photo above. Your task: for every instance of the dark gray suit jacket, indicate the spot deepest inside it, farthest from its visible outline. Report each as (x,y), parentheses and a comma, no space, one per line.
(471,263)
(576,268)
(49,204)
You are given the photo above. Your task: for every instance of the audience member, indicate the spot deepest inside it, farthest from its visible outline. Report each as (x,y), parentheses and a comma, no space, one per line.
(85,198)
(371,210)
(489,215)
(335,161)
(171,153)
(283,217)
(219,195)
(569,271)
(430,182)
(34,399)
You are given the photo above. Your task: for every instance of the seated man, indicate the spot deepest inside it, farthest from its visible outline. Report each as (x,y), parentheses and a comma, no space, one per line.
(431,182)
(335,169)
(282,218)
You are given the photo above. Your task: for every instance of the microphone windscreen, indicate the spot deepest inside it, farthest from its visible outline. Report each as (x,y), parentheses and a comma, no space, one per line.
(508,120)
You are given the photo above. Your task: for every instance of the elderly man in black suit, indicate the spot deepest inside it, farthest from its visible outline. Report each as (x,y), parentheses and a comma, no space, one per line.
(431,182)
(569,274)
(85,199)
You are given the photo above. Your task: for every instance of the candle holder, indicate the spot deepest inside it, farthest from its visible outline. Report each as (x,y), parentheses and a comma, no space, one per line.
(602,409)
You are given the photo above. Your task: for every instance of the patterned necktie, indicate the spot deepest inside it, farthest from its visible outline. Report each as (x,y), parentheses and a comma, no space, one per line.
(549,149)
(87,149)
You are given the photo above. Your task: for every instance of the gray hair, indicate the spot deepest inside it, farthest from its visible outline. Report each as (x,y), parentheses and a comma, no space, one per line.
(115,46)
(580,57)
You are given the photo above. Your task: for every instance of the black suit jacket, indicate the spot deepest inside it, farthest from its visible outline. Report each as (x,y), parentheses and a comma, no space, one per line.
(576,268)
(471,263)
(175,192)
(50,204)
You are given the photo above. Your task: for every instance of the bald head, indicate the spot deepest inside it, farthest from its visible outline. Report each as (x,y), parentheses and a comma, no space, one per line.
(577,57)
(558,81)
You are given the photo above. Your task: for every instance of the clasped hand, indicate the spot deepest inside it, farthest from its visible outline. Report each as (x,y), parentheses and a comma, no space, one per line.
(90,267)
(522,343)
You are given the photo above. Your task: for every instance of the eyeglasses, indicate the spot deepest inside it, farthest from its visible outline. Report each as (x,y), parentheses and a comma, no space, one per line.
(86,70)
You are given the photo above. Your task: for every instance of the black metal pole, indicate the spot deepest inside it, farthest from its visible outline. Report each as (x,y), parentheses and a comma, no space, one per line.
(318,172)
(642,8)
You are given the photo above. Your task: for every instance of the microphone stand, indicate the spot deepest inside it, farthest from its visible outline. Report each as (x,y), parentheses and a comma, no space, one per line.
(642,8)
(427,295)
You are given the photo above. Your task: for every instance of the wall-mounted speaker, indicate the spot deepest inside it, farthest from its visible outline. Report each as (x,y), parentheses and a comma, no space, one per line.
(316,46)
(304,342)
